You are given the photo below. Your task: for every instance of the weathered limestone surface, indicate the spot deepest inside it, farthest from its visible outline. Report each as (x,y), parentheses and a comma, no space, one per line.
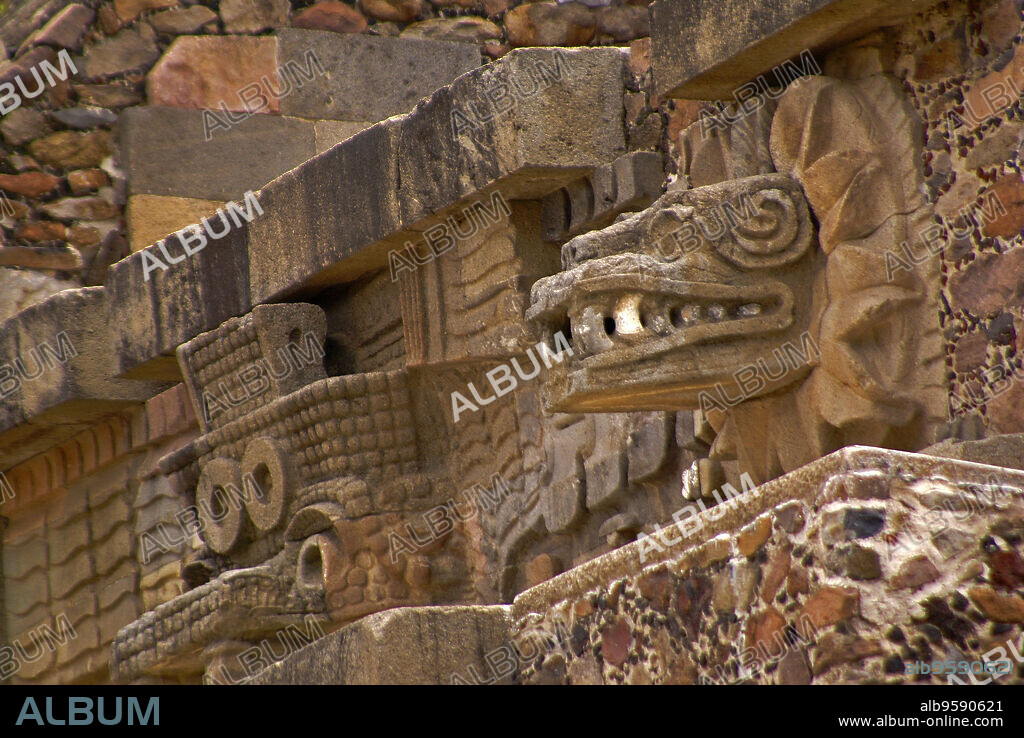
(1001,450)
(690,303)
(339,211)
(157,141)
(61,390)
(409,645)
(155,317)
(151,217)
(312,371)
(331,132)
(621,186)
(403,72)
(707,49)
(20,288)
(400,172)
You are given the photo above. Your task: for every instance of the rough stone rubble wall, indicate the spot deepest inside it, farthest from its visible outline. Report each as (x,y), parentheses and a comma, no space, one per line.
(845,577)
(963,65)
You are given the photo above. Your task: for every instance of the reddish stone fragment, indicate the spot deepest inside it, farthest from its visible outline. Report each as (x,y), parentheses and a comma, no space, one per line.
(1006,408)
(1008,222)
(778,568)
(129,10)
(550,24)
(82,181)
(994,93)
(765,631)
(331,16)
(793,668)
(970,352)
(542,568)
(828,606)
(1002,608)
(40,231)
(654,586)
(639,59)
(83,236)
(796,582)
(30,184)
(914,574)
(616,642)
(1006,569)
(400,11)
(991,283)
(204,71)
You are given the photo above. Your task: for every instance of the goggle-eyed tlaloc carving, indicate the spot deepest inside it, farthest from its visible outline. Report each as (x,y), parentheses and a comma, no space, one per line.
(296,490)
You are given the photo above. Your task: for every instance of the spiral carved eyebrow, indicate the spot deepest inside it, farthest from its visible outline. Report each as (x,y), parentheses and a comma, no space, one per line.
(760,229)
(775,226)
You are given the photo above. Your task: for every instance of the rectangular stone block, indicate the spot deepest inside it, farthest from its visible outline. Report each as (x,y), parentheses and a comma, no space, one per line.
(64,346)
(166,152)
(326,210)
(546,116)
(397,178)
(629,184)
(195,295)
(408,645)
(332,132)
(707,49)
(151,217)
(367,77)
(207,72)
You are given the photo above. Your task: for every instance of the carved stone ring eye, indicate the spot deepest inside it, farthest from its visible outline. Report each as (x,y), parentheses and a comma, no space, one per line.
(774,227)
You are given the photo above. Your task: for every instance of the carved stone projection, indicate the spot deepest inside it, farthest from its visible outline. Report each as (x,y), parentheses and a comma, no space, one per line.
(296,478)
(579,485)
(762,300)
(340,496)
(346,485)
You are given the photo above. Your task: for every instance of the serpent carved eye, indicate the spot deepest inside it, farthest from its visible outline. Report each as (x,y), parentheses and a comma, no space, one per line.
(774,227)
(767,228)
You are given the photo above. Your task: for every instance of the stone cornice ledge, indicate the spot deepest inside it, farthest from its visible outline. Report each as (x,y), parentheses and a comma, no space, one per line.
(337,215)
(327,221)
(708,49)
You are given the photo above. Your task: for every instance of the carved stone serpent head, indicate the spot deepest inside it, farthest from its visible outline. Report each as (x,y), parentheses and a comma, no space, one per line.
(763,302)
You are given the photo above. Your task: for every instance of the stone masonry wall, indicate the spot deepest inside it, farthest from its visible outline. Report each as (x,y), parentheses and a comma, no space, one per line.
(964,65)
(72,547)
(65,167)
(838,573)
